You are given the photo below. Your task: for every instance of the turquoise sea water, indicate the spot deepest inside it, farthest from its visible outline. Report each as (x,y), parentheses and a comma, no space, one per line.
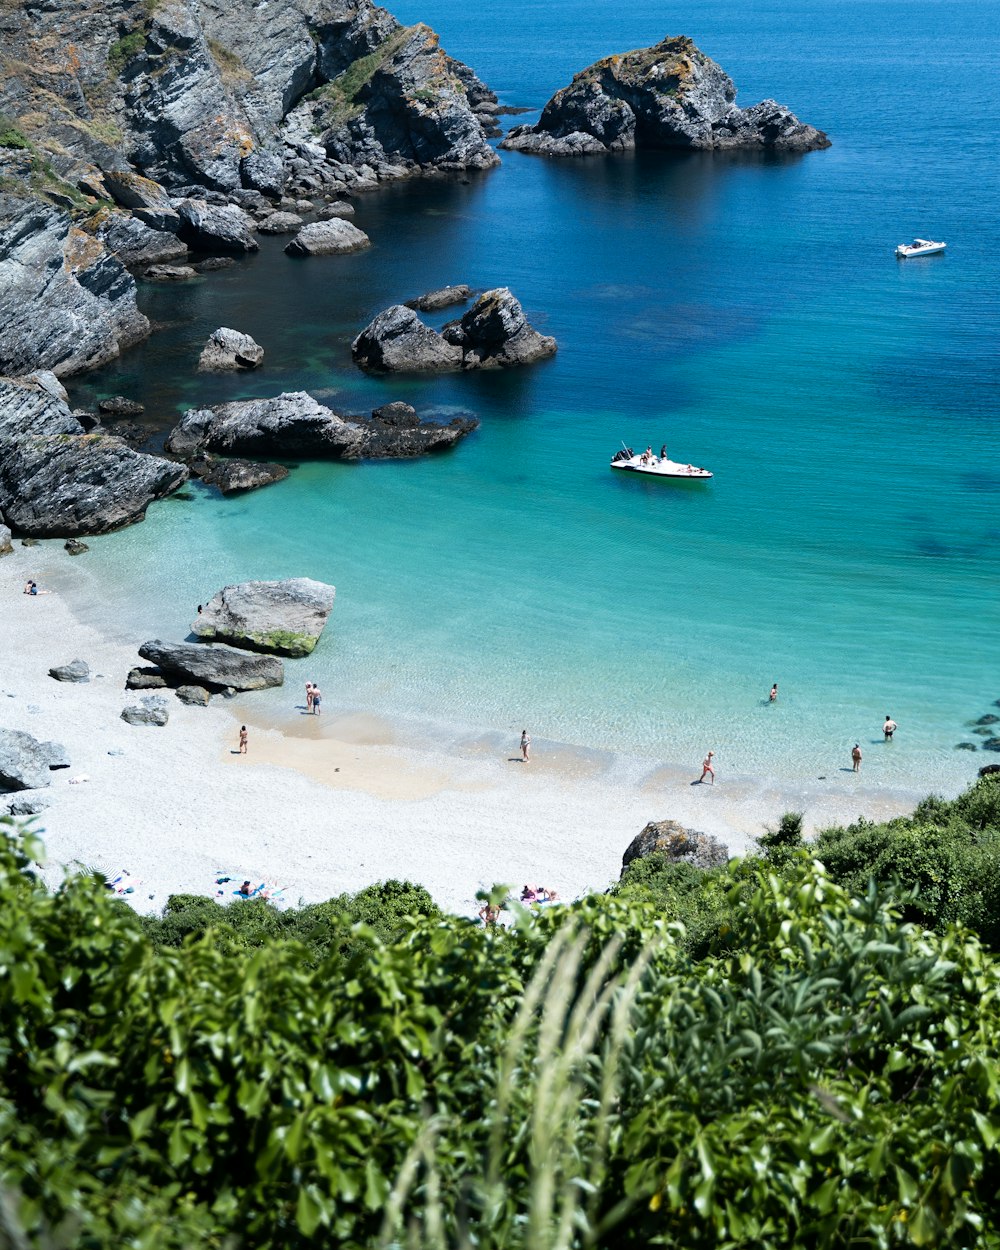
(747,311)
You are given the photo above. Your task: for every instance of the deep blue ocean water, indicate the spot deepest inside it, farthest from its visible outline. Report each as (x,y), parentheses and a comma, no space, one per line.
(747,311)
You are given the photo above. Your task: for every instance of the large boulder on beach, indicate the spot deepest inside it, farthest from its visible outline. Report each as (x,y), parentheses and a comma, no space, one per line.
(150,710)
(495,334)
(333,237)
(75,671)
(397,341)
(668,96)
(295,424)
(229,351)
(6,546)
(26,763)
(677,844)
(218,667)
(283,617)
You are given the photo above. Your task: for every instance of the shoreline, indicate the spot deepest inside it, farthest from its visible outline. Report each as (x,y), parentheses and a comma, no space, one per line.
(322,805)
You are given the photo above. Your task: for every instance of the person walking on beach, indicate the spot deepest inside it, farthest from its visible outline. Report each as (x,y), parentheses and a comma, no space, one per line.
(317,699)
(706,768)
(309,696)
(244,738)
(889,728)
(525,746)
(773,696)
(856,757)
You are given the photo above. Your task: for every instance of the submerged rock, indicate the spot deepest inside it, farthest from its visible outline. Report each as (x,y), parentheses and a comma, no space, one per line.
(75,547)
(283,617)
(26,763)
(668,96)
(169,273)
(119,406)
(216,667)
(328,238)
(679,845)
(231,476)
(228,350)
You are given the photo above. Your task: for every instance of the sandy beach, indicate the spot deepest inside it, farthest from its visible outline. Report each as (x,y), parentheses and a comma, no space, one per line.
(321,805)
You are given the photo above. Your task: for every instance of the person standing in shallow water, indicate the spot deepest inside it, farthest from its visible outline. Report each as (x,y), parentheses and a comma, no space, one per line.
(889,728)
(525,746)
(244,738)
(309,696)
(706,767)
(856,757)
(773,696)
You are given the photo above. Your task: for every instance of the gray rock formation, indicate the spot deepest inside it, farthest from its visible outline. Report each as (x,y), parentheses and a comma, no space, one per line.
(66,303)
(679,845)
(151,710)
(134,243)
(147,199)
(57,481)
(280,223)
(493,334)
(397,341)
(216,227)
(27,805)
(337,208)
(283,618)
(6,546)
(229,350)
(169,273)
(233,476)
(294,424)
(120,406)
(444,297)
(74,547)
(328,238)
(26,763)
(145,679)
(396,432)
(193,696)
(217,667)
(668,96)
(76,670)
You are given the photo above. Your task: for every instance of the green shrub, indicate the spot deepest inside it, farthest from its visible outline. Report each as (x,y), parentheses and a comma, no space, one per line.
(125,50)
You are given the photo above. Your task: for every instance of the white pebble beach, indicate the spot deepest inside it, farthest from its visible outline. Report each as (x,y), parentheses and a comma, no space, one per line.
(321,805)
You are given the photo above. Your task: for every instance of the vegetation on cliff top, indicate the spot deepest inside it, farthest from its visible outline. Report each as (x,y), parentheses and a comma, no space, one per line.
(824,1074)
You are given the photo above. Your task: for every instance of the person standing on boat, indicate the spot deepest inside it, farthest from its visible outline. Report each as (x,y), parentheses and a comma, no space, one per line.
(663,452)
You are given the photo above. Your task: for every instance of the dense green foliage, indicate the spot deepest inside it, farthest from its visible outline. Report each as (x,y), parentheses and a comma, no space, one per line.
(823,1073)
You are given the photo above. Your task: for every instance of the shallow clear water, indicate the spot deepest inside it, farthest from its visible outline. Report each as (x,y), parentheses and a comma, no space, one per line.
(747,311)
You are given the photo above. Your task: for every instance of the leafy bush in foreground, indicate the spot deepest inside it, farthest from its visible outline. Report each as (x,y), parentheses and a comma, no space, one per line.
(577,1082)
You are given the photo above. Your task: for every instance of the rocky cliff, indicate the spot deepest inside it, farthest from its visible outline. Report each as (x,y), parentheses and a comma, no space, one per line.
(668,96)
(232,94)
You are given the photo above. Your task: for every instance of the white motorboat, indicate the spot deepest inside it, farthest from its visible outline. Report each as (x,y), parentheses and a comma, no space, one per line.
(655,466)
(920,247)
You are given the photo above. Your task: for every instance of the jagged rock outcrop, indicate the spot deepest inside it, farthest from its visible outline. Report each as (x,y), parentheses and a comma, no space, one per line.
(328,238)
(394,431)
(6,546)
(283,618)
(493,334)
(26,763)
(295,424)
(229,350)
(120,406)
(148,201)
(55,480)
(443,297)
(668,96)
(66,303)
(280,223)
(679,845)
(134,243)
(141,678)
(169,273)
(216,227)
(193,696)
(397,341)
(217,667)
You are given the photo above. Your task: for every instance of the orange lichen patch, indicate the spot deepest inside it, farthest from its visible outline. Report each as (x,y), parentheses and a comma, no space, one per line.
(80,250)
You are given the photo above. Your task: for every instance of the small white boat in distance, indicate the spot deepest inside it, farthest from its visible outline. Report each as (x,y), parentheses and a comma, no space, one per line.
(653,466)
(920,247)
